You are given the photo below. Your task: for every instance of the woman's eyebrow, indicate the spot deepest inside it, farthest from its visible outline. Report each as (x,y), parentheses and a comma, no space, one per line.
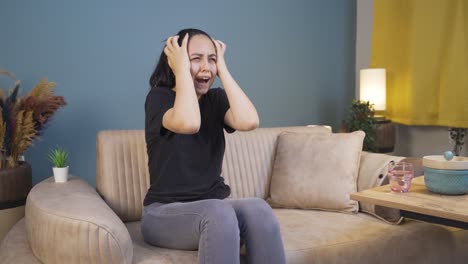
(201,55)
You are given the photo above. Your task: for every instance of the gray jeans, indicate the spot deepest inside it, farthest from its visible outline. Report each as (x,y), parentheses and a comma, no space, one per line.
(216,228)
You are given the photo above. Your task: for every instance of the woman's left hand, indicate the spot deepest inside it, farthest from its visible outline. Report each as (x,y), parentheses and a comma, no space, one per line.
(220,50)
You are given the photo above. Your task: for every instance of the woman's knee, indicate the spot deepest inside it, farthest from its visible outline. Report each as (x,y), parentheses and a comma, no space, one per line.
(147,230)
(257,209)
(220,214)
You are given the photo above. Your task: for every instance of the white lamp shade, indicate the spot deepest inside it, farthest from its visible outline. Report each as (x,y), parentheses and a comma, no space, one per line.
(373,87)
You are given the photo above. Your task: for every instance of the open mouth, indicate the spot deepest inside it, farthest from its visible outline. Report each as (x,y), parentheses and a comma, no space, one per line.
(203,80)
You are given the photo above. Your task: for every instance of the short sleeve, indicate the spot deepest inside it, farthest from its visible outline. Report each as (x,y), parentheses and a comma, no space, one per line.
(223,106)
(158,101)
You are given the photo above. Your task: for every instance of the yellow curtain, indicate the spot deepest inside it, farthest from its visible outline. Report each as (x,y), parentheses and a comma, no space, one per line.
(423,44)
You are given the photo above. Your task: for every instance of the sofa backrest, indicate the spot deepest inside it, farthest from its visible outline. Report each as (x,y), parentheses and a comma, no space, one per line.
(122,176)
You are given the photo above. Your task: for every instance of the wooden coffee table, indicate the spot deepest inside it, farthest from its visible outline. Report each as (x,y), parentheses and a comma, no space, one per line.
(420,203)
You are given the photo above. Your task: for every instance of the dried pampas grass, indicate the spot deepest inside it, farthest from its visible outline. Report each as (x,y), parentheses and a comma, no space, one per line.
(43,90)
(23,119)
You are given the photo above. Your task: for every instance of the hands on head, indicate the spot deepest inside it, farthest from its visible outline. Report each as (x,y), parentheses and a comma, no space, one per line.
(178,57)
(192,70)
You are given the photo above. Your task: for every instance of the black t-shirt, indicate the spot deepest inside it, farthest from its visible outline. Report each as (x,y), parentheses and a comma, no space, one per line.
(185,167)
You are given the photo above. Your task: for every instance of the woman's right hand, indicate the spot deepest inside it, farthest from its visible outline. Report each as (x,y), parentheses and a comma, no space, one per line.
(177,56)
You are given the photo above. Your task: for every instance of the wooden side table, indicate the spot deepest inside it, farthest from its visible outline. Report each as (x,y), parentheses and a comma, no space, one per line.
(420,203)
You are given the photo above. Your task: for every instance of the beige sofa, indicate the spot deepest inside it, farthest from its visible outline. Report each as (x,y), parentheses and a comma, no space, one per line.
(72,223)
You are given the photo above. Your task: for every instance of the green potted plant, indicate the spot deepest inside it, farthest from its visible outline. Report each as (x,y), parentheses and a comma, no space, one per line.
(361,117)
(59,158)
(22,120)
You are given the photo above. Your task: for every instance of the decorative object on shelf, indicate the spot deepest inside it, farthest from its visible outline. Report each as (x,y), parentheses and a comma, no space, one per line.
(22,119)
(373,88)
(446,174)
(457,138)
(59,158)
(361,117)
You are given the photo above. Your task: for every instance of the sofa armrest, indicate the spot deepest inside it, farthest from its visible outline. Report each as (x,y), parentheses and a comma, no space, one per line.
(70,223)
(372,173)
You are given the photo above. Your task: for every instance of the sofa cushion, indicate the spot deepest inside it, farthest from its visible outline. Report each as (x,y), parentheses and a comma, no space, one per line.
(14,248)
(145,253)
(316,171)
(309,237)
(69,223)
(313,236)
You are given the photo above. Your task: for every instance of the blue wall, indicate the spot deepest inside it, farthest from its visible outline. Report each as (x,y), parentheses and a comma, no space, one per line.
(295,59)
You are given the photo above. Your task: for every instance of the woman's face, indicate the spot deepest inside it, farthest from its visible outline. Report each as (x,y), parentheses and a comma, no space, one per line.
(202,55)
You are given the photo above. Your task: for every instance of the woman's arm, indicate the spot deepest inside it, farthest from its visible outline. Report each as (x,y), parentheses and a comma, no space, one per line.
(184,116)
(242,114)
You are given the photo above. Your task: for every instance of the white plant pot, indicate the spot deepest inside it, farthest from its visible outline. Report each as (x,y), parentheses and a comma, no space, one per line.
(60,174)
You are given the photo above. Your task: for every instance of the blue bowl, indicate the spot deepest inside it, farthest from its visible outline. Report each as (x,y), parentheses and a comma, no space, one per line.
(446,181)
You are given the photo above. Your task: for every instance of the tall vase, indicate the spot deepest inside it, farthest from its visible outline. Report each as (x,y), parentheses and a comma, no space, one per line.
(15,184)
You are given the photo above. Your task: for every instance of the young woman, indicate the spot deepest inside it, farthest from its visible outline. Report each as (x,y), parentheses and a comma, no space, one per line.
(186,206)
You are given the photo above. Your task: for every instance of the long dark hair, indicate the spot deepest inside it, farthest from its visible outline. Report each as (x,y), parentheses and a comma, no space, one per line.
(163,75)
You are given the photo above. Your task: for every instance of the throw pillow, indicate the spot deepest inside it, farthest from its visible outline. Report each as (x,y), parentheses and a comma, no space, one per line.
(316,171)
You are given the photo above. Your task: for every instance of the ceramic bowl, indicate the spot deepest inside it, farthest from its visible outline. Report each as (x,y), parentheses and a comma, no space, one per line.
(446,181)
(446,176)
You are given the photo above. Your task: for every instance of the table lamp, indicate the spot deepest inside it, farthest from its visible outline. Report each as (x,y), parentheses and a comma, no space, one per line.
(373,88)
